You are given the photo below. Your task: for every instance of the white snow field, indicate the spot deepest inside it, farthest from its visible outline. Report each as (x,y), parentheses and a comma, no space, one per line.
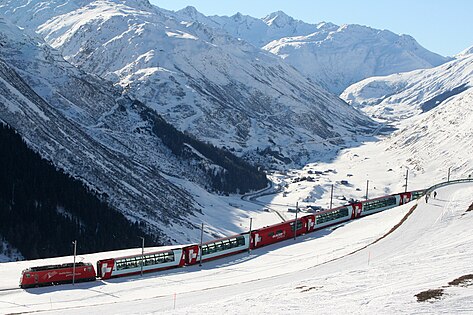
(361,267)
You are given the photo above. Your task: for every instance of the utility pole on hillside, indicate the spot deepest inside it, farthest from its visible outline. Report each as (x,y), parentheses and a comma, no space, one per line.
(200,247)
(74,264)
(142,253)
(407,176)
(331,197)
(249,237)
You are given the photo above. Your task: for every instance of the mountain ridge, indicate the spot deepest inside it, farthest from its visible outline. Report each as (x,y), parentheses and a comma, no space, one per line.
(405,95)
(330,55)
(87,128)
(206,82)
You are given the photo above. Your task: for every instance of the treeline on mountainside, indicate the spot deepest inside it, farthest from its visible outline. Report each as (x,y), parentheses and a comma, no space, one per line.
(42,210)
(239,176)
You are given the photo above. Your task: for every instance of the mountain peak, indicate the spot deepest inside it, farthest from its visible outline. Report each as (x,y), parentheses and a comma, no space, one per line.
(238,16)
(138,4)
(190,10)
(465,52)
(278,19)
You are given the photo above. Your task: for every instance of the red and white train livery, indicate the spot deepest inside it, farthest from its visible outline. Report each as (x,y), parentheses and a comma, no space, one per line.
(194,253)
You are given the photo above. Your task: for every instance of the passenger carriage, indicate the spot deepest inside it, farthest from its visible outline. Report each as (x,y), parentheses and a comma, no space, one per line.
(383,203)
(217,248)
(135,264)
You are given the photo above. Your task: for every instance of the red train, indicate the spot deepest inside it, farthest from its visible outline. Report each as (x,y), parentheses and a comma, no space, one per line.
(56,274)
(193,254)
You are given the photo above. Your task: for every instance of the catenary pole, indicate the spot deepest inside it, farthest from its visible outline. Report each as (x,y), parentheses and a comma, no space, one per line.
(331,197)
(200,246)
(407,176)
(249,245)
(74,264)
(142,253)
(367,185)
(295,222)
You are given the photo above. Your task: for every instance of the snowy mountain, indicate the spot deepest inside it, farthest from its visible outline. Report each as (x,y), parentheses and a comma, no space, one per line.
(465,53)
(112,143)
(330,55)
(431,109)
(404,95)
(341,57)
(221,89)
(257,32)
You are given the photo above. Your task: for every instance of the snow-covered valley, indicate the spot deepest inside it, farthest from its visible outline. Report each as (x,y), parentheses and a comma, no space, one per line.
(84,82)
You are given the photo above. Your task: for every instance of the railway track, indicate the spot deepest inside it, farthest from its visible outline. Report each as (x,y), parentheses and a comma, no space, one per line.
(9,289)
(252,197)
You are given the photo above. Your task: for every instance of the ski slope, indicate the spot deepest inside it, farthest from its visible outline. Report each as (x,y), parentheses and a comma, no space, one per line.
(351,267)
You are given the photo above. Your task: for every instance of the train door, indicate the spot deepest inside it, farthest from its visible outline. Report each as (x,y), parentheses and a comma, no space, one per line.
(255,238)
(357,209)
(405,198)
(310,223)
(191,254)
(104,268)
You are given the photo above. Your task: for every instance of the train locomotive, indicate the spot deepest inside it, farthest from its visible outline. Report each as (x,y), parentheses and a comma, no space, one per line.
(186,255)
(57,274)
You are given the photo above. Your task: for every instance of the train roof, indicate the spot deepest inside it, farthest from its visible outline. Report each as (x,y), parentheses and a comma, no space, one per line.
(59,266)
(225,238)
(145,253)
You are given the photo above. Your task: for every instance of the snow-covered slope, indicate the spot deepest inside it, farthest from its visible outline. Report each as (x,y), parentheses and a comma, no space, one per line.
(465,53)
(432,111)
(404,95)
(221,89)
(337,58)
(374,265)
(333,56)
(257,32)
(440,139)
(87,128)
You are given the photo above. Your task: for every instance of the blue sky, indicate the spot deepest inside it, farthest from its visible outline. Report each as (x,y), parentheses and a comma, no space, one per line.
(442,26)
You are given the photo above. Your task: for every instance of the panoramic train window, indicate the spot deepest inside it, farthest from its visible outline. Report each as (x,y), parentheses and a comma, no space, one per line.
(240,240)
(223,245)
(330,216)
(130,263)
(120,265)
(417,194)
(375,204)
(150,259)
(299,225)
(169,256)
